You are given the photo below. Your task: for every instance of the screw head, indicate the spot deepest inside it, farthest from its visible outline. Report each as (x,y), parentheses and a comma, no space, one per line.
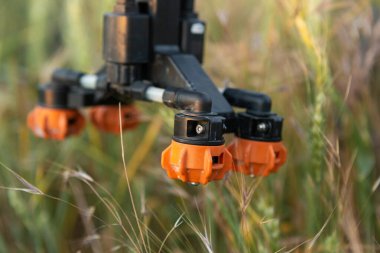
(263,127)
(200,129)
(198,28)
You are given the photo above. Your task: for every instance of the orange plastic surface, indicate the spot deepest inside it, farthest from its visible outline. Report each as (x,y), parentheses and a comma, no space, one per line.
(106,118)
(196,164)
(257,158)
(56,124)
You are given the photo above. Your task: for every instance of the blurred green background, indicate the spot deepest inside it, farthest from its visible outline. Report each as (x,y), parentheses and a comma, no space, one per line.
(317,59)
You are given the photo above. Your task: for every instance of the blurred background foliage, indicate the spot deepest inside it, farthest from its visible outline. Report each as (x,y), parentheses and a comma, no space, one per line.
(318,59)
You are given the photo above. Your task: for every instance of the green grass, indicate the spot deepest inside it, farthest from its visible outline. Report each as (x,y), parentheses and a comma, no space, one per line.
(317,59)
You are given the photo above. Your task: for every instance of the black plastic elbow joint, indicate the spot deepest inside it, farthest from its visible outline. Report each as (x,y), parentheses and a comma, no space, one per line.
(187,100)
(252,101)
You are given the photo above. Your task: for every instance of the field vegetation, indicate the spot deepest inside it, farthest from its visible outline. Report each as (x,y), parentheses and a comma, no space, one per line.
(317,59)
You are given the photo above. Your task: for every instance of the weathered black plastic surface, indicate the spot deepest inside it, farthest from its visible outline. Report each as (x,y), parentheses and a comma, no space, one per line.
(247,127)
(252,101)
(185,129)
(126,38)
(187,100)
(184,71)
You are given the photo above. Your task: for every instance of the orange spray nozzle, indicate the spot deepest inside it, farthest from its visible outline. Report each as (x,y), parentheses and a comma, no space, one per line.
(257,158)
(106,118)
(56,124)
(196,164)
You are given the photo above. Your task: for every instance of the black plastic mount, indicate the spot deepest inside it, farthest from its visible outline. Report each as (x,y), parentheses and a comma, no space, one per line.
(65,91)
(160,43)
(260,127)
(258,122)
(199,129)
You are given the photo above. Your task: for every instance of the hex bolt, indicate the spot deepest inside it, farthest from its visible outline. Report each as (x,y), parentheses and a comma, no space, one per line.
(200,129)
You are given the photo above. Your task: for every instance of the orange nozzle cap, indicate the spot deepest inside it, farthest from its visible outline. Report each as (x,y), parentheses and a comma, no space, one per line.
(196,164)
(257,158)
(56,124)
(106,118)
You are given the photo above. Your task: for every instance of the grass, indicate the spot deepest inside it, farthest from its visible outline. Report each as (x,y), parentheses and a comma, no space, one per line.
(317,59)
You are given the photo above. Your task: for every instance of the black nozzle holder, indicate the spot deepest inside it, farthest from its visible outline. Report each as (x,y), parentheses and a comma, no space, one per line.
(187,100)
(259,127)
(64,96)
(252,101)
(67,77)
(199,129)
(54,95)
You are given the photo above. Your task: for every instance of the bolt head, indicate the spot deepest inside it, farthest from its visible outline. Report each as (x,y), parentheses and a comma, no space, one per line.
(200,129)
(198,28)
(263,127)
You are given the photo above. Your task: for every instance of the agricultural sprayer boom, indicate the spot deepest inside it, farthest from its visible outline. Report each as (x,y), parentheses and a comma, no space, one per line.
(153,52)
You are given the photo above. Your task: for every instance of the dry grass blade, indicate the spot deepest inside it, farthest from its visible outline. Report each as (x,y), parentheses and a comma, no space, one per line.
(175,226)
(376,185)
(316,237)
(20,190)
(128,183)
(203,223)
(141,151)
(113,210)
(296,247)
(29,187)
(92,239)
(111,205)
(79,175)
(204,238)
